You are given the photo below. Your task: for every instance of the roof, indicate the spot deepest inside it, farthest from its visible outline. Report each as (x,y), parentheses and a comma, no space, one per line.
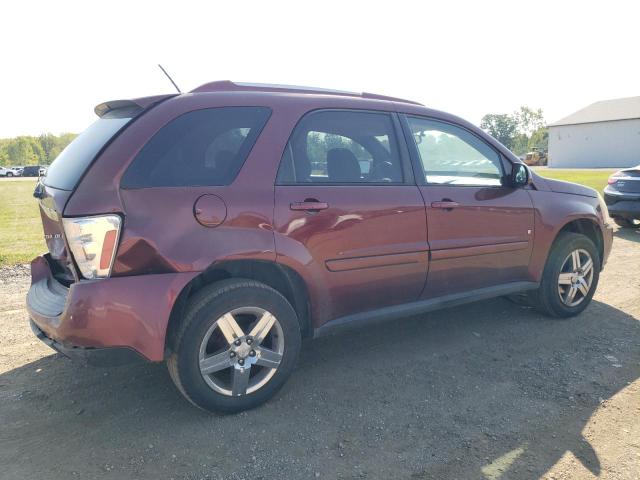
(229,86)
(604,111)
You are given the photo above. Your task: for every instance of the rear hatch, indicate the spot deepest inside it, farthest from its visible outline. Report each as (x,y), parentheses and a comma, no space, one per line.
(52,202)
(63,175)
(628,181)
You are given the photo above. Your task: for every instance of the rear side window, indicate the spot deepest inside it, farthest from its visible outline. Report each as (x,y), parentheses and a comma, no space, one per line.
(70,165)
(203,147)
(342,147)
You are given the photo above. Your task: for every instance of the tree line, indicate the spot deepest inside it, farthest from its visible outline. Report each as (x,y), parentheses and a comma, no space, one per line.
(28,150)
(521,131)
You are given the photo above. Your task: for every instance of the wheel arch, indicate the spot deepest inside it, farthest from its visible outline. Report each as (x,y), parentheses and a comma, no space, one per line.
(587,227)
(279,277)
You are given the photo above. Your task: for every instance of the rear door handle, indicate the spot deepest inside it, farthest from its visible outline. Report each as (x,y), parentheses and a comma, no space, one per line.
(445,204)
(309,206)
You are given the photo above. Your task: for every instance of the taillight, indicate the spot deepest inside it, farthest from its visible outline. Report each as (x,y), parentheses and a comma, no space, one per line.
(93,242)
(617,176)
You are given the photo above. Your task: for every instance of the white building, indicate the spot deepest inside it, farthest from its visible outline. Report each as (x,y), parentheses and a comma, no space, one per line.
(604,134)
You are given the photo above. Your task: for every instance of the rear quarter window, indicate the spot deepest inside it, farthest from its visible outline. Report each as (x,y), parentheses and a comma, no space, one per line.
(200,148)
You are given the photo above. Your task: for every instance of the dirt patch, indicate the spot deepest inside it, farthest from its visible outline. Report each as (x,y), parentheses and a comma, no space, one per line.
(14,275)
(489,390)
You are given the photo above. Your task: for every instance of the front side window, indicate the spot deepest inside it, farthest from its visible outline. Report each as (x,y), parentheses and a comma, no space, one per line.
(453,156)
(342,147)
(203,147)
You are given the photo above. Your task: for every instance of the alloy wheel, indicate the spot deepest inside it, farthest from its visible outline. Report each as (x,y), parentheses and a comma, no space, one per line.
(576,278)
(241,351)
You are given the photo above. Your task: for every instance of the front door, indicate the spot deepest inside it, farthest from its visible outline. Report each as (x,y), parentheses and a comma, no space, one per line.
(348,215)
(480,231)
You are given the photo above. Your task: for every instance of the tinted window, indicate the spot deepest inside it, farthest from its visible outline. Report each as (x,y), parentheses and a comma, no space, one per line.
(454,156)
(342,147)
(204,147)
(70,165)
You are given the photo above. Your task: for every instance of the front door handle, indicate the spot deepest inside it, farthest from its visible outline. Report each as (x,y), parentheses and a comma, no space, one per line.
(309,206)
(445,204)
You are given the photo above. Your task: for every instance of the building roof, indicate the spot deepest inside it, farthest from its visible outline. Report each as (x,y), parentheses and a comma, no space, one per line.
(604,111)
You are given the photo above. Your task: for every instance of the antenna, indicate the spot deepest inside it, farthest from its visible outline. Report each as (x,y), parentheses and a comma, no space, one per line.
(170,79)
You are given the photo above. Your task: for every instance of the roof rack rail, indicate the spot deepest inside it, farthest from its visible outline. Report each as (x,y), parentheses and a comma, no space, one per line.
(229,86)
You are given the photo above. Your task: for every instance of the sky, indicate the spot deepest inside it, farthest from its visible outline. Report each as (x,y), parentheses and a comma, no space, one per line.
(60,59)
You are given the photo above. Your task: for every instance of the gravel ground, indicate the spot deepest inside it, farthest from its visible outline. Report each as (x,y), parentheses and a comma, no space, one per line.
(489,390)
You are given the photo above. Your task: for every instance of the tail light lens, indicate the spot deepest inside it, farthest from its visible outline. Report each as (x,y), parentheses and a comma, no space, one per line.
(93,242)
(617,176)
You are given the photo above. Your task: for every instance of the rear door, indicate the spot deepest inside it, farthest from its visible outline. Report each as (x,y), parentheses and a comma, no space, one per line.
(480,230)
(348,213)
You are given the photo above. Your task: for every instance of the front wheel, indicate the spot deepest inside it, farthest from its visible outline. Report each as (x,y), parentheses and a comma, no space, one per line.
(570,276)
(9,174)
(236,346)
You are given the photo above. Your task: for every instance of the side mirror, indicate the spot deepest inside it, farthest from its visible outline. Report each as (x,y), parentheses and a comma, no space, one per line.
(519,175)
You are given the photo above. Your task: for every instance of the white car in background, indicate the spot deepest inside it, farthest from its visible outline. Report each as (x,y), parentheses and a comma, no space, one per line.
(9,172)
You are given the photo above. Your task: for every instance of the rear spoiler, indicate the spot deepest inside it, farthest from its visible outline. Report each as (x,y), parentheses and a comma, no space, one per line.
(122,108)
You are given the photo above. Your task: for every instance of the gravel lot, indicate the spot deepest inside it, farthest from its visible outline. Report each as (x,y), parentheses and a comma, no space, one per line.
(489,390)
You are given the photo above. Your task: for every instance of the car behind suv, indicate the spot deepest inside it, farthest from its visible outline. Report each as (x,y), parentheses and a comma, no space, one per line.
(215,230)
(622,196)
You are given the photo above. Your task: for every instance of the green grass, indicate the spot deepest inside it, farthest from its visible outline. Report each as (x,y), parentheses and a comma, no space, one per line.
(22,238)
(591,178)
(21,235)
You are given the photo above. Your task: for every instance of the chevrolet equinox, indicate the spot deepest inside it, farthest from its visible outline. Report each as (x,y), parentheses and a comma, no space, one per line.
(214,230)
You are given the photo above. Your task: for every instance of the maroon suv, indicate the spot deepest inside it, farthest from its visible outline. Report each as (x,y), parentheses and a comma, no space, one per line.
(216,229)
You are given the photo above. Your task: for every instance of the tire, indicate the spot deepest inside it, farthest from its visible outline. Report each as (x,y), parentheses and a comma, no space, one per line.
(9,174)
(205,319)
(626,222)
(548,299)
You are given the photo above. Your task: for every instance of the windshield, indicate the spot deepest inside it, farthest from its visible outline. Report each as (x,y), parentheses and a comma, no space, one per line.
(73,161)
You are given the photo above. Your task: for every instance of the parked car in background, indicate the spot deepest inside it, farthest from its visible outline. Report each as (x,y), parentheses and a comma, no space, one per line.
(215,230)
(42,171)
(17,169)
(9,172)
(622,195)
(32,171)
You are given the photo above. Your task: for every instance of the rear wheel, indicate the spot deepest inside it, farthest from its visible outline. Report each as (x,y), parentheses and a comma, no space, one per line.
(627,222)
(236,346)
(9,174)
(570,276)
